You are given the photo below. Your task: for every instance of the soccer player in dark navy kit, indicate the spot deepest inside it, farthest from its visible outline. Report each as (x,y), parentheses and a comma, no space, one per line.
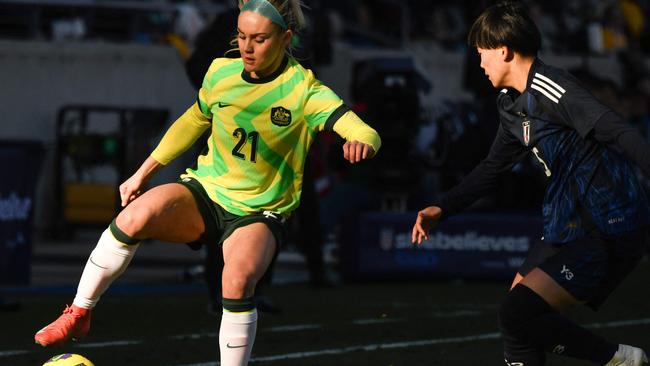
(595,212)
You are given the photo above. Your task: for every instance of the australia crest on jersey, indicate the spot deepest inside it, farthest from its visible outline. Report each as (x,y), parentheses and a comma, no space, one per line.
(525,126)
(280,116)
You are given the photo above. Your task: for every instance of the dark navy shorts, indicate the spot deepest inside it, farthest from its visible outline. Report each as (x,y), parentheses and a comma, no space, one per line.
(220,224)
(591,267)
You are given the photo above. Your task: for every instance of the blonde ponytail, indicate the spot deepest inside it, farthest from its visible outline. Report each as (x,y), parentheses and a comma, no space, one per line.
(298,15)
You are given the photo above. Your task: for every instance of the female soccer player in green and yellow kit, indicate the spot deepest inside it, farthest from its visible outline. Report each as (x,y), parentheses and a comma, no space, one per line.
(264,111)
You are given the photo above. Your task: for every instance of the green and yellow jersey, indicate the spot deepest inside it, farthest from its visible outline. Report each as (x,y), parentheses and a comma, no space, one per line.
(261,131)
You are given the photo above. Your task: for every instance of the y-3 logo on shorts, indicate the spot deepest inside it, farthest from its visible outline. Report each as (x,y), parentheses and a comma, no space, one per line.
(567,273)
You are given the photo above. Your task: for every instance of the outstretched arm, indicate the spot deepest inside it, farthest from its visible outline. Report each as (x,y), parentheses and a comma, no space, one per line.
(181,135)
(504,153)
(178,138)
(363,141)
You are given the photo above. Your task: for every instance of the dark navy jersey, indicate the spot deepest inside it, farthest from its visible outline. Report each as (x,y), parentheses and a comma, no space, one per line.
(590,186)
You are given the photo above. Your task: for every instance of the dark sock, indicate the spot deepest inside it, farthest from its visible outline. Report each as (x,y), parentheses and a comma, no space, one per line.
(559,335)
(555,333)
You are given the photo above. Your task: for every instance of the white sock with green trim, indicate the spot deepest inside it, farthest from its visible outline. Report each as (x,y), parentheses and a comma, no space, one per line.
(236,337)
(106,262)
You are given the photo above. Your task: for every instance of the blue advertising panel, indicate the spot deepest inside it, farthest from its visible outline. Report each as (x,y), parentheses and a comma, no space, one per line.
(470,246)
(21,162)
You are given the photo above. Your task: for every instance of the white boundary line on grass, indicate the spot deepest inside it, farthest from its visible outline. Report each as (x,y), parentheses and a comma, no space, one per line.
(375,347)
(293,328)
(426,342)
(12,353)
(338,351)
(109,344)
(367,347)
(619,323)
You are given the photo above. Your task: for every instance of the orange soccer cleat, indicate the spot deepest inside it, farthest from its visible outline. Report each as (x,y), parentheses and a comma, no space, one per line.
(73,324)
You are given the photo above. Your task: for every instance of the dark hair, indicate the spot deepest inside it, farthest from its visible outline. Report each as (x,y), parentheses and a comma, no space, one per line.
(506,23)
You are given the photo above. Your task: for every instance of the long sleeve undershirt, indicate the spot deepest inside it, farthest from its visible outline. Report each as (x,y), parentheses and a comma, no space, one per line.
(625,139)
(352,128)
(505,152)
(191,125)
(609,130)
(181,135)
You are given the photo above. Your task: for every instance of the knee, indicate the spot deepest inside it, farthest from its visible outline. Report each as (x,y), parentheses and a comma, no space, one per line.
(133,222)
(515,311)
(510,315)
(519,306)
(237,284)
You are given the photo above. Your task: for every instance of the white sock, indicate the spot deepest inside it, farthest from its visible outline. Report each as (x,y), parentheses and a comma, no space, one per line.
(628,356)
(236,337)
(107,262)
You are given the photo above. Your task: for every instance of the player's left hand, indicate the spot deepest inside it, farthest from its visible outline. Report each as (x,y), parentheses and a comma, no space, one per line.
(355,151)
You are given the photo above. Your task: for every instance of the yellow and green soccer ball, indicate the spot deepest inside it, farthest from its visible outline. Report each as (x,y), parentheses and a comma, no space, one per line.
(68,359)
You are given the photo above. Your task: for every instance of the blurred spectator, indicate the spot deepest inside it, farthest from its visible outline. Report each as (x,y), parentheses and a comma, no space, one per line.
(542,15)
(371,23)
(188,22)
(213,41)
(634,17)
(572,27)
(73,29)
(313,49)
(568,26)
(448,27)
(615,37)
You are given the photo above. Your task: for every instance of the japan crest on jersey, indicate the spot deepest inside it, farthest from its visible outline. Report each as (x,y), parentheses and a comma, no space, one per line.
(525,125)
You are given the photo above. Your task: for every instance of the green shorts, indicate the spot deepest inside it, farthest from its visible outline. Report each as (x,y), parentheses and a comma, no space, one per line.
(220,224)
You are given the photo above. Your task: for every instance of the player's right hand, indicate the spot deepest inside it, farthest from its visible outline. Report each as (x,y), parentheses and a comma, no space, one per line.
(131,189)
(426,220)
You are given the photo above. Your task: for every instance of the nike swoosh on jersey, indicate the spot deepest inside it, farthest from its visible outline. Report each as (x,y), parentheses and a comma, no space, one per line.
(222,105)
(229,346)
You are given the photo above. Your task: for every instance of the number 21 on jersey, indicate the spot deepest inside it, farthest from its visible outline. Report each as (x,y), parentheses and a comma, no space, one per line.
(238,151)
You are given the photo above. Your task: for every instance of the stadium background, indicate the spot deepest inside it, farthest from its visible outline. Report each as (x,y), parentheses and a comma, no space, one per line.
(88,87)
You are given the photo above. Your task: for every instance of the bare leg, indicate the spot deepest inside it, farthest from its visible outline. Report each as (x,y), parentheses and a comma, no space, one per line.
(549,290)
(247,253)
(516,280)
(166,212)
